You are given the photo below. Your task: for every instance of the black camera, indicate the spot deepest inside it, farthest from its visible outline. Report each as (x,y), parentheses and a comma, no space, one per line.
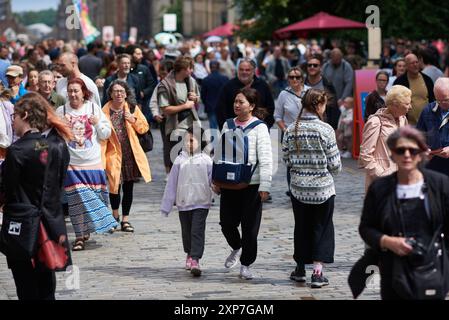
(419,251)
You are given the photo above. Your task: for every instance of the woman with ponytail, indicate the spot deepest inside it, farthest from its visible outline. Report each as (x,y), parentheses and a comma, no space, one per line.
(310,151)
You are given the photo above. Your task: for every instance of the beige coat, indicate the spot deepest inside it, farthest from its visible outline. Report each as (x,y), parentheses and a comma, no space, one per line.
(112,151)
(374,153)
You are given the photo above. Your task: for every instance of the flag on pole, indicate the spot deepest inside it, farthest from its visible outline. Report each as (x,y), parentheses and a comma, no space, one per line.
(90,33)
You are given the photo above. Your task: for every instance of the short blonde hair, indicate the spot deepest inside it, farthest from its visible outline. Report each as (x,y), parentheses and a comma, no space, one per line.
(397,95)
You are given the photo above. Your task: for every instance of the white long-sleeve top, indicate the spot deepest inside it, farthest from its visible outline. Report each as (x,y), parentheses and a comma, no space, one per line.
(85,150)
(259,142)
(5,138)
(189,183)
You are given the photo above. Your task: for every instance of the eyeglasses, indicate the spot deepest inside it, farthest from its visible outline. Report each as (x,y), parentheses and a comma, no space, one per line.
(401,151)
(382,80)
(313,65)
(295,77)
(13,115)
(119,91)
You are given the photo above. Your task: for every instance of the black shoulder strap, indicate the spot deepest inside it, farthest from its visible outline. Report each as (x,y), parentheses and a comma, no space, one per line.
(187,81)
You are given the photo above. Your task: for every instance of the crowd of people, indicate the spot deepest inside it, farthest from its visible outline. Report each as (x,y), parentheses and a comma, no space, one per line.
(87,106)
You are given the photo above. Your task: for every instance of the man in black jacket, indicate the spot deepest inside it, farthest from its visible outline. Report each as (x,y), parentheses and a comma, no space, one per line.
(147,81)
(420,84)
(245,78)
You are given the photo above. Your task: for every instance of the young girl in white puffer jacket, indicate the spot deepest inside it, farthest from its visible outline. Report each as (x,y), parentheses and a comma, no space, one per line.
(189,187)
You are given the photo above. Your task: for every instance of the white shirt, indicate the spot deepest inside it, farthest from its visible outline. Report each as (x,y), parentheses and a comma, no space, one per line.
(85,149)
(61,88)
(410,191)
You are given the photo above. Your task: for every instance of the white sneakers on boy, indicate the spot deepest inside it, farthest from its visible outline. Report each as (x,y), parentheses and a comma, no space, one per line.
(233,259)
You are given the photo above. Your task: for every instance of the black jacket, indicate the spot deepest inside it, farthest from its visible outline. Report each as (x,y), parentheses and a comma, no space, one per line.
(373,103)
(379,217)
(147,84)
(380,211)
(225,105)
(403,81)
(210,89)
(23,179)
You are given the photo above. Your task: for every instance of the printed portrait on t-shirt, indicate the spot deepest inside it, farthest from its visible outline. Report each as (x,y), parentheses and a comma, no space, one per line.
(82,132)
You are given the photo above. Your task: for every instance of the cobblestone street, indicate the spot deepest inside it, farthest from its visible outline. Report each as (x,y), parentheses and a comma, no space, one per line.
(149,263)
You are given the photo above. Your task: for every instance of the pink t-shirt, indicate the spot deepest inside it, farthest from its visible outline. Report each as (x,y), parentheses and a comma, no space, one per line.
(244,124)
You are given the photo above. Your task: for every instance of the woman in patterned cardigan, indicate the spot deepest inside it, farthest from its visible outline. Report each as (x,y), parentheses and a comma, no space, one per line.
(310,151)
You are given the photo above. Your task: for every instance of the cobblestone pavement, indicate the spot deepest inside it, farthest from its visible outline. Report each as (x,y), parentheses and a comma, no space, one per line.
(149,263)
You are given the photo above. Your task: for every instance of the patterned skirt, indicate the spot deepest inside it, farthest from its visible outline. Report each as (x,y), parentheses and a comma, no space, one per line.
(87,196)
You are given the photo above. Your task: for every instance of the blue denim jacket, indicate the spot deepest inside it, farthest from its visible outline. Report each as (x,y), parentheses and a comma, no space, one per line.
(435,128)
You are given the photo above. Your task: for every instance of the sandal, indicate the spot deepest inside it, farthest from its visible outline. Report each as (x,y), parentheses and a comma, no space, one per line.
(85,238)
(78,245)
(127,227)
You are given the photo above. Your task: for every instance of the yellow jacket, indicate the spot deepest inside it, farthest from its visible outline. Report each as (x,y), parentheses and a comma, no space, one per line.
(111,154)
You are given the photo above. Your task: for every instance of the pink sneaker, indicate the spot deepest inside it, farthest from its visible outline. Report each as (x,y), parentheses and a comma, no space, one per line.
(188,262)
(195,268)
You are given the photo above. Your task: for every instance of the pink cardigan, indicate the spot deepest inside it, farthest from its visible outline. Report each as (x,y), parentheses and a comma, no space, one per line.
(374,153)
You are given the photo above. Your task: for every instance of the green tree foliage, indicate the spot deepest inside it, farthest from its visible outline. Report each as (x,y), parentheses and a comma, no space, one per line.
(413,19)
(31,17)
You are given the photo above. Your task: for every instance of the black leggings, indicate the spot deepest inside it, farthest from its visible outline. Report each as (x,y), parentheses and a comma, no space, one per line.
(128,187)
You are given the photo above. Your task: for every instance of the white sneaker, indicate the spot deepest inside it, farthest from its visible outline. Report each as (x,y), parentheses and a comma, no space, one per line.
(233,259)
(1,218)
(245,273)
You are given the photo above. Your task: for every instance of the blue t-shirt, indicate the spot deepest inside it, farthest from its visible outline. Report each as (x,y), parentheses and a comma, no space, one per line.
(22,92)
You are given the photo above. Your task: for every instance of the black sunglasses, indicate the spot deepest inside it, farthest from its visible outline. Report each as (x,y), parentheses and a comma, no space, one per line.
(401,151)
(313,65)
(295,77)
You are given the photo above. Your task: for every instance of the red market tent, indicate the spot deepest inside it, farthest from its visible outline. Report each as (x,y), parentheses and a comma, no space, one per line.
(225,30)
(320,21)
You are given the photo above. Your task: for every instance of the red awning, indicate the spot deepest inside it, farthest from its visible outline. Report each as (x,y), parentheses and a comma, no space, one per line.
(321,21)
(225,30)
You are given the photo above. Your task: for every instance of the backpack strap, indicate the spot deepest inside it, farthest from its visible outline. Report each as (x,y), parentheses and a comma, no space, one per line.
(252,125)
(231,124)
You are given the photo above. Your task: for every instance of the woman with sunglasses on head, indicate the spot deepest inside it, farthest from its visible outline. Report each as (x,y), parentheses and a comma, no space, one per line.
(288,105)
(374,154)
(404,207)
